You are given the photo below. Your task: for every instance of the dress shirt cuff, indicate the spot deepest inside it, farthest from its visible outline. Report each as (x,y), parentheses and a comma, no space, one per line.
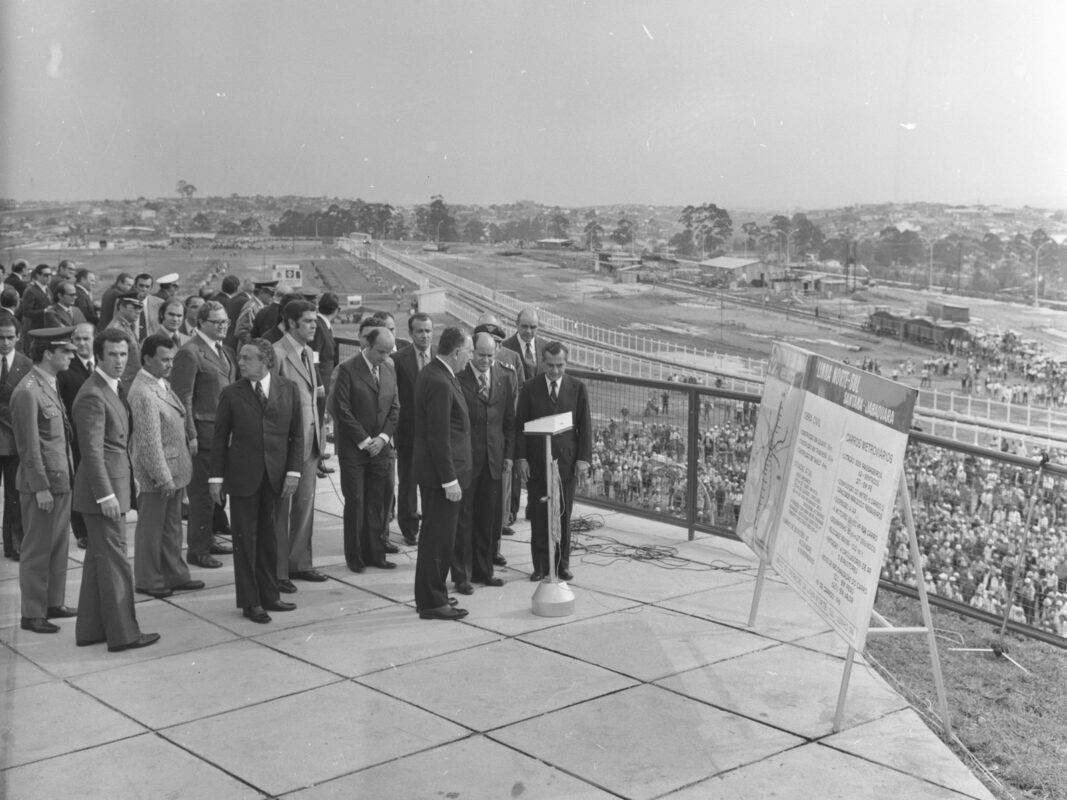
(105,499)
(214,480)
(365,443)
(385,438)
(449,485)
(292,474)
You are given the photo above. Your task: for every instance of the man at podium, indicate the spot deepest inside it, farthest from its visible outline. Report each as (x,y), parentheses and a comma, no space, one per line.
(552,391)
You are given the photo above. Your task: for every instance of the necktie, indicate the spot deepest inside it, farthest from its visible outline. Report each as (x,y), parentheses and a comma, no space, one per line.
(176,342)
(89,366)
(3,371)
(483,385)
(221,352)
(306,360)
(374,372)
(422,359)
(529,353)
(260,395)
(552,392)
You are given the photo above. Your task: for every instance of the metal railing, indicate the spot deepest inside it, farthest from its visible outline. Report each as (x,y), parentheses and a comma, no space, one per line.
(678,453)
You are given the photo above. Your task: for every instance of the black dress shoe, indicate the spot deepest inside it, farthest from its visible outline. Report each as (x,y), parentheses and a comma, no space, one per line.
(536,576)
(309,575)
(499,560)
(159,594)
(60,612)
(89,642)
(143,640)
(391,549)
(443,612)
(383,564)
(494,582)
(327,470)
(565,575)
(83,543)
(507,530)
(188,586)
(279,605)
(220,549)
(15,556)
(356,567)
(464,588)
(257,614)
(38,625)
(321,473)
(286,587)
(205,561)
(411,540)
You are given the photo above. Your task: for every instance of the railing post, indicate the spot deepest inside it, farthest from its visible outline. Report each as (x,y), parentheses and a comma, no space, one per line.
(691,482)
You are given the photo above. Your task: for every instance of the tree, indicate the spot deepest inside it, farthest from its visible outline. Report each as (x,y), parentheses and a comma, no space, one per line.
(186,190)
(624,232)
(201,222)
(709,225)
(474,230)
(434,222)
(558,224)
(593,231)
(807,238)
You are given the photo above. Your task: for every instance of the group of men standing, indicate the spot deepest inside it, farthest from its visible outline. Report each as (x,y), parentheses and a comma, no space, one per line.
(450,416)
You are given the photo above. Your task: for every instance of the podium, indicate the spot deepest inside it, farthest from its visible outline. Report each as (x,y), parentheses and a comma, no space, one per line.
(552,597)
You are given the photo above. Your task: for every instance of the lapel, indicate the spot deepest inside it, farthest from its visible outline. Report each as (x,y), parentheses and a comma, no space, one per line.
(212,355)
(293,351)
(363,371)
(167,396)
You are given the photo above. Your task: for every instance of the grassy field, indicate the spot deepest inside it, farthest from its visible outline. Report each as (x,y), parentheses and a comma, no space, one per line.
(1014,722)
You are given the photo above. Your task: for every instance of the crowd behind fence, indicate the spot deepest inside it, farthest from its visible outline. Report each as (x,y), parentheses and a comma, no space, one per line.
(678,453)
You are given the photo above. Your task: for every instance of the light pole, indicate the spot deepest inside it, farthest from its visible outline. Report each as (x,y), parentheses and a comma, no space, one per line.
(439,231)
(1037,256)
(930,269)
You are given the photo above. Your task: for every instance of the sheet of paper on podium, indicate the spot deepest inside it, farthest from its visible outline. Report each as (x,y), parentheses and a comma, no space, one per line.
(553,423)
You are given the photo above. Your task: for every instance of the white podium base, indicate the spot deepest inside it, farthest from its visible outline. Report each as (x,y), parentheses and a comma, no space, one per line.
(553,599)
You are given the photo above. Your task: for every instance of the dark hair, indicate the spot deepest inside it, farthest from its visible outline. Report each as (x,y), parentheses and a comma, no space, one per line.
(266,351)
(204,310)
(373,321)
(40,268)
(82,273)
(123,276)
(9,297)
(60,288)
(373,334)
(19,266)
(66,262)
(418,316)
(190,299)
(144,275)
(451,340)
(105,336)
(292,311)
(152,343)
(7,320)
(328,303)
(174,301)
(554,349)
(230,284)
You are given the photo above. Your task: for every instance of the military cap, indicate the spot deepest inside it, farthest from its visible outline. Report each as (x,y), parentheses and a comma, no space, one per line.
(132,298)
(53,338)
(493,330)
(265,284)
(169,278)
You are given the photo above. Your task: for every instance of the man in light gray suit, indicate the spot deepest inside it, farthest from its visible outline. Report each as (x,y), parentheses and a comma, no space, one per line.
(103,487)
(296,516)
(164,440)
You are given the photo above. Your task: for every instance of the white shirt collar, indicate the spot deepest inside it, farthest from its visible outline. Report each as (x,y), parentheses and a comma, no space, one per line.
(112,382)
(450,372)
(265,383)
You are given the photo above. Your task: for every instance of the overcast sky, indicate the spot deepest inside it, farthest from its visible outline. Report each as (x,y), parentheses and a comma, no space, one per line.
(783,104)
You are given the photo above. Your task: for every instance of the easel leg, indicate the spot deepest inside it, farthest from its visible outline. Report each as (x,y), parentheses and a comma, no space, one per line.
(846,676)
(757,591)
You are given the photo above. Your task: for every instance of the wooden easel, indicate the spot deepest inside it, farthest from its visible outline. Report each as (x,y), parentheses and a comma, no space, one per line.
(884,626)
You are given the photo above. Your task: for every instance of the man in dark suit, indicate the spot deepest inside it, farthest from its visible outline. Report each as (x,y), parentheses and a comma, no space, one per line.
(442,454)
(85,282)
(490,396)
(409,361)
(203,367)
(255,459)
(365,406)
(103,490)
(227,290)
(14,368)
(552,392)
(325,349)
(42,437)
(123,284)
(70,382)
(64,312)
(530,350)
(17,277)
(34,302)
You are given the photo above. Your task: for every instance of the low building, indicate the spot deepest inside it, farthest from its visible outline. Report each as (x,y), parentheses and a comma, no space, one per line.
(736,271)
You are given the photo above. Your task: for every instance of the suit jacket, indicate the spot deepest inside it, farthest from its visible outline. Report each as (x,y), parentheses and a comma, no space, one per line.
(567,447)
(102,422)
(362,410)
(86,305)
(516,345)
(442,447)
(59,316)
(161,435)
(16,282)
(492,421)
(290,365)
(251,439)
(326,347)
(198,378)
(70,381)
(152,304)
(31,310)
(407,371)
(20,368)
(41,437)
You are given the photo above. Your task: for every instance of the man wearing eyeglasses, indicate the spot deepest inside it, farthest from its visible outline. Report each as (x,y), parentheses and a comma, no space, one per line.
(63,313)
(203,367)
